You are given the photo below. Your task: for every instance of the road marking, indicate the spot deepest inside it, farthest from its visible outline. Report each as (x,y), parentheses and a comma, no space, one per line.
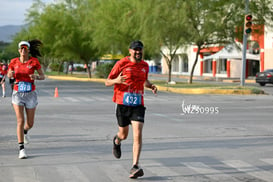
(71,173)
(102,99)
(269,161)
(166,116)
(24,174)
(116,172)
(88,99)
(71,99)
(209,172)
(6,174)
(160,115)
(250,170)
(161,171)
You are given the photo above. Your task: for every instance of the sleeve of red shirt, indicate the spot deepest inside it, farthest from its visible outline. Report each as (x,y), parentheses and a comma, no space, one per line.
(36,63)
(115,71)
(147,72)
(11,65)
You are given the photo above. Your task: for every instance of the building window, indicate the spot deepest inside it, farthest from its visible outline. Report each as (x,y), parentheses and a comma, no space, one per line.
(254,47)
(184,63)
(207,66)
(221,66)
(175,64)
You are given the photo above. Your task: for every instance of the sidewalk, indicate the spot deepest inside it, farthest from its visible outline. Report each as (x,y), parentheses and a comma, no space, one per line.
(237,91)
(184,78)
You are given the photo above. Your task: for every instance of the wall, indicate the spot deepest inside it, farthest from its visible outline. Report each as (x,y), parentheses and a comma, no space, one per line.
(235,68)
(268,56)
(268,48)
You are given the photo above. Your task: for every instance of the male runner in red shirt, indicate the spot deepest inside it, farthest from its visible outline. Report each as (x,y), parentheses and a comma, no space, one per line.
(129,76)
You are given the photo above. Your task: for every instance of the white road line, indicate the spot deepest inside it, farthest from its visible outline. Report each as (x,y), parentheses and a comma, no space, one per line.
(166,116)
(250,169)
(209,172)
(24,174)
(160,115)
(87,99)
(71,99)
(116,172)
(159,170)
(102,99)
(71,174)
(269,161)
(6,174)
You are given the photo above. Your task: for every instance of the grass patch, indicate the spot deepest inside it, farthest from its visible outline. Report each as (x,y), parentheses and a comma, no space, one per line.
(199,85)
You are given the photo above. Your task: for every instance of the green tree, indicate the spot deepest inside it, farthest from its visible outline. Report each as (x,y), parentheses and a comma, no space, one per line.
(220,22)
(85,29)
(62,29)
(162,29)
(116,25)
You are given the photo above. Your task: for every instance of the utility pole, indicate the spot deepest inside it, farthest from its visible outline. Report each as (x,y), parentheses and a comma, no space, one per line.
(243,73)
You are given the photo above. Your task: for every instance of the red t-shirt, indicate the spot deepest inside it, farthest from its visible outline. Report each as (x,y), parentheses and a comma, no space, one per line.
(2,70)
(23,70)
(136,75)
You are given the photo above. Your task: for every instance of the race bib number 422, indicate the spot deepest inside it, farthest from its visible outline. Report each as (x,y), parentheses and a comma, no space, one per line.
(131,99)
(24,87)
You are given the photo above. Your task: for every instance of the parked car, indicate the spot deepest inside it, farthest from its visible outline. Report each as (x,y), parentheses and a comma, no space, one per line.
(265,77)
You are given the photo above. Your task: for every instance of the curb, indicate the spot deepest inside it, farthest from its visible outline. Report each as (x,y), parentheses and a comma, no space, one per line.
(77,79)
(206,91)
(169,89)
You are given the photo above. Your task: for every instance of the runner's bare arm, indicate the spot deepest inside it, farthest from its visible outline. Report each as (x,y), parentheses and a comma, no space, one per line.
(10,73)
(148,84)
(119,80)
(41,75)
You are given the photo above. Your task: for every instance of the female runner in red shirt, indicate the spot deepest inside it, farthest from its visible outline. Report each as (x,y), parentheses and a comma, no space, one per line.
(24,96)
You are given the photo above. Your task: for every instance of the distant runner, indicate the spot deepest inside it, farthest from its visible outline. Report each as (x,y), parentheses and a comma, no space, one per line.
(3,73)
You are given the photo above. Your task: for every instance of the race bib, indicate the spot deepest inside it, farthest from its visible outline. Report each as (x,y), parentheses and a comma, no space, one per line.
(131,99)
(24,87)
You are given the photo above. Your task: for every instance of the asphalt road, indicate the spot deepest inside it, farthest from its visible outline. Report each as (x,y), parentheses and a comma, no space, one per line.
(191,138)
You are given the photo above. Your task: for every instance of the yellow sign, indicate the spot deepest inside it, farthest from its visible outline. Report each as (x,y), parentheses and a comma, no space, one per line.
(112,56)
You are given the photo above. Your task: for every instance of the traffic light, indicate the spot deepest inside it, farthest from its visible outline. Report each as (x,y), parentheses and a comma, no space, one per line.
(248,24)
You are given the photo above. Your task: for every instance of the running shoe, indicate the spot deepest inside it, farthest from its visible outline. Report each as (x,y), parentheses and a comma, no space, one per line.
(136,172)
(116,149)
(22,154)
(26,139)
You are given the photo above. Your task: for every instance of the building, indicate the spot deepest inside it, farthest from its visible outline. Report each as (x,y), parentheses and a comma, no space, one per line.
(259,44)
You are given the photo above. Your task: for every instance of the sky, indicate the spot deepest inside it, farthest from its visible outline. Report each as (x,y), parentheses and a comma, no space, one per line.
(13,12)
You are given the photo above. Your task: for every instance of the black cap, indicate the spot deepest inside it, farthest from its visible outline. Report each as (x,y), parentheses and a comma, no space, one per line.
(136,44)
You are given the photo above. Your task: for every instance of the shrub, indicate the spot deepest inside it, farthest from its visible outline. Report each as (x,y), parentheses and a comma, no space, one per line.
(56,67)
(103,70)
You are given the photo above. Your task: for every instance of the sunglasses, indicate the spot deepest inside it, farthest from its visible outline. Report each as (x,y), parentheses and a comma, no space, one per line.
(24,47)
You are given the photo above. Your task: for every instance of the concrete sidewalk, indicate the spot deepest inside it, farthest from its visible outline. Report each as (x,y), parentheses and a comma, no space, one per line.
(236,91)
(184,78)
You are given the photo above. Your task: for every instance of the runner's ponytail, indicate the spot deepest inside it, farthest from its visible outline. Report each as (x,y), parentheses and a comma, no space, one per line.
(34,48)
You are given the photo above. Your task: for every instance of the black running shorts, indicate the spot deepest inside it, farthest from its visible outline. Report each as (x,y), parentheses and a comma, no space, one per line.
(126,114)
